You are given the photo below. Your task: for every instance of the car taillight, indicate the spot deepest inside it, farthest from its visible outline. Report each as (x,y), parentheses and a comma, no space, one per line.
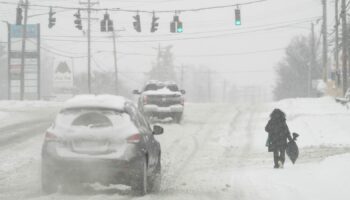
(144,100)
(50,136)
(134,138)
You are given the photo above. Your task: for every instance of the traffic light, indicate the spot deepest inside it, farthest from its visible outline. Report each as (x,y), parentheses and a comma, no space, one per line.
(106,24)
(179,28)
(137,23)
(77,22)
(238,21)
(19,16)
(103,26)
(176,25)
(110,25)
(52,20)
(155,24)
(173,27)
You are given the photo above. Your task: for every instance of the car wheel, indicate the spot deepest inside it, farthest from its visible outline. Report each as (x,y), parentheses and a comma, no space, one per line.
(49,181)
(141,186)
(156,178)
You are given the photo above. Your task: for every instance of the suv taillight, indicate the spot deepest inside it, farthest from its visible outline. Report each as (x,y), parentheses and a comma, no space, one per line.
(134,138)
(50,136)
(144,100)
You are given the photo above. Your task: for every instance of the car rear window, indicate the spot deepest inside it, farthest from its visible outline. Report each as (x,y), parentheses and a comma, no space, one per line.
(151,87)
(95,119)
(173,88)
(92,118)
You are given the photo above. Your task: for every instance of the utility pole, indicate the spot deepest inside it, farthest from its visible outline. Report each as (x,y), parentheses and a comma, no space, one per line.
(72,63)
(344,46)
(336,52)
(89,7)
(313,60)
(115,62)
(89,45)
(24,38)
(325,43)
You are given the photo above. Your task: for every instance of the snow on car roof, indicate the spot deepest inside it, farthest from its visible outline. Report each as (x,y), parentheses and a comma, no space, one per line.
(162,91)
(96,101)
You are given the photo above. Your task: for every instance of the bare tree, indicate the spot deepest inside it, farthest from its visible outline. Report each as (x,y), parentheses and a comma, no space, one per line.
(293,71)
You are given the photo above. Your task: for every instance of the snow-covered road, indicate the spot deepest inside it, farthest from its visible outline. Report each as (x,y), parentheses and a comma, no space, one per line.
(216,153)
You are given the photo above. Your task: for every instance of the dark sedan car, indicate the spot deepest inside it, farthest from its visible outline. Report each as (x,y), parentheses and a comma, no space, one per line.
(101,139)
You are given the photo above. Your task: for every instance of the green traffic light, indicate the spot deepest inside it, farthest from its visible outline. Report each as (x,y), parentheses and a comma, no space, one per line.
(238,23)
(180,30)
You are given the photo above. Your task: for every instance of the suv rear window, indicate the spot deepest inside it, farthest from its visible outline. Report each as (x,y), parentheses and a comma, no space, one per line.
(151,87)
(92,118)
(173,88)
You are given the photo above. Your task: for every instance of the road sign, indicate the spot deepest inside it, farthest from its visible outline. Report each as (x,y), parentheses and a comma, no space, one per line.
(31,69)
(17,30)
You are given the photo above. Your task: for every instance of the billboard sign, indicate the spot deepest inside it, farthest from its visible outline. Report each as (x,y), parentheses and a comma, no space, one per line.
(63,76)
(31,69)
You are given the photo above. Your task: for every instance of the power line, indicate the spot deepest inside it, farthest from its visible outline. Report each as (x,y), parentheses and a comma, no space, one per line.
(143,11)
(179,39)
(285,23)
(58,53)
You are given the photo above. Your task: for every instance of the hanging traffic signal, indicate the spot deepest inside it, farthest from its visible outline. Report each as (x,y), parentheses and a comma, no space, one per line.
(19,16)
(179,28)
(176,25)
(77,22)
(154,25)
(52,20)
(173,27)
(103,26)
(137,23)
(110,25)
(238,21)
(106,24)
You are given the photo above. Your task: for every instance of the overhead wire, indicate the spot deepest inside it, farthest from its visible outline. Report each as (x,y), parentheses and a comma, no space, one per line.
(142,11)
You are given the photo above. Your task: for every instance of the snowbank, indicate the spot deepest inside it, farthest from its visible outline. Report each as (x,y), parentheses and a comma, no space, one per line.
(14,112)
(319,121)
(14,105)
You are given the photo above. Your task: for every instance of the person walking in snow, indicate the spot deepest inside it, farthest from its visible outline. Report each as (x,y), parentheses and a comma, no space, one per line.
(278,133)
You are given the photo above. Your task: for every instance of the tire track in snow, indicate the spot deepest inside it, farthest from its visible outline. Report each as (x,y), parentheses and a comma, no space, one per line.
(22,131)
(198,139)
(171,178)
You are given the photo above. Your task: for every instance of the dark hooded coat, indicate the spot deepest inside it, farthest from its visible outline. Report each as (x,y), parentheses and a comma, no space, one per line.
(278,131)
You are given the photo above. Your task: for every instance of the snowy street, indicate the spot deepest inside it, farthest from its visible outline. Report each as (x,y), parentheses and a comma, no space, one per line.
(217,152)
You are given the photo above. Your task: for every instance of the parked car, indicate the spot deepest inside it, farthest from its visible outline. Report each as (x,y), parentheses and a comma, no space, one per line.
(101,139)
(161,100)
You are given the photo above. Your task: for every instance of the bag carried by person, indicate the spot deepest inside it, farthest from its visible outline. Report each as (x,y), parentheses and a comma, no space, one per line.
(292,149)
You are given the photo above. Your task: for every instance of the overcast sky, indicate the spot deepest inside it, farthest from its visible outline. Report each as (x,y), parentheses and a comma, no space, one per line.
(243,55)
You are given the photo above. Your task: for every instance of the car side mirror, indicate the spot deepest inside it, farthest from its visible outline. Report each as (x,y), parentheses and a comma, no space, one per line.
(183,91)
(158,130)
(136,92)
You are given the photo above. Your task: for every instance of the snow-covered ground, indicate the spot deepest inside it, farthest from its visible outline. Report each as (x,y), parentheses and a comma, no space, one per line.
(217,152)
(14,112)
